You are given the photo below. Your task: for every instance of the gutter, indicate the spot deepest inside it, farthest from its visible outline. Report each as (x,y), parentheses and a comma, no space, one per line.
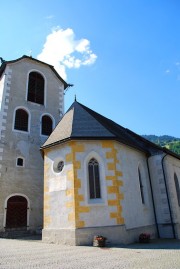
(168,199)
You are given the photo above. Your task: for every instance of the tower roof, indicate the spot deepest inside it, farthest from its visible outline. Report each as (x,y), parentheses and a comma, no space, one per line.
(5,63)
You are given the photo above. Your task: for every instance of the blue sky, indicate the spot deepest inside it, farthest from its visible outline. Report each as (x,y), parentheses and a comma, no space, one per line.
(123,56)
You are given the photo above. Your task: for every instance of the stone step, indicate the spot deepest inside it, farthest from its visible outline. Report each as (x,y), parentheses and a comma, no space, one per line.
(13,234)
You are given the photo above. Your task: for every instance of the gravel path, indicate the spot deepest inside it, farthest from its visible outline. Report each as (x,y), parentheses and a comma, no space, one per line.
(31,253)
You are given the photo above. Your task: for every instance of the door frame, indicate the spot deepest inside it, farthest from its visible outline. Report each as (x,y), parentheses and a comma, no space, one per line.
(5,207)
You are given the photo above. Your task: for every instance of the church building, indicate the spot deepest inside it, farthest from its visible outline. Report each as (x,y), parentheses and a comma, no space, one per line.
(78,174)
(103,179)
(31,105)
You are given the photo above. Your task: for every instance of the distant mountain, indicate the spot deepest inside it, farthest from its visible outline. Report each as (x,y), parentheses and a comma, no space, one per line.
(169,142)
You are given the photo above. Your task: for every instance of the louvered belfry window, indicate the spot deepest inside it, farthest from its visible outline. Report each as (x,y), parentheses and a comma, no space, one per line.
(36,88)
(21,120)
(46,125)
(94,180)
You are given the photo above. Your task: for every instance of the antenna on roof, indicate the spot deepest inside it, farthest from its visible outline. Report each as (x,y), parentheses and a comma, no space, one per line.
(75,98)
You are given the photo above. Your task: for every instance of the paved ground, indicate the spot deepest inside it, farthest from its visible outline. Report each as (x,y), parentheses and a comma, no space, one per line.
(33,253)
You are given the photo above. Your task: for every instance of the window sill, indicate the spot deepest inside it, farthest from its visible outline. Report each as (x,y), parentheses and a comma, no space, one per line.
(96,202)
(19,166)
(45,136)
(34,103)
(20,131)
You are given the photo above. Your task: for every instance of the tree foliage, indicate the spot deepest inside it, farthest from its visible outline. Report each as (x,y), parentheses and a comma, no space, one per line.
(169,142)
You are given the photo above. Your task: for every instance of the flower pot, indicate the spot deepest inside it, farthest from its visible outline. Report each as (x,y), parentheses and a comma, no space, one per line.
(99,241)
(144,238)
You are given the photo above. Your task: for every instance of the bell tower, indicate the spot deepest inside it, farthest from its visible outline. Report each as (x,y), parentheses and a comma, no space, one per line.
(31,104)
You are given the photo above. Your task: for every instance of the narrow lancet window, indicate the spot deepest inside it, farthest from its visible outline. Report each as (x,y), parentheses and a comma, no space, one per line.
(176,181)
(94,180)
(141,186)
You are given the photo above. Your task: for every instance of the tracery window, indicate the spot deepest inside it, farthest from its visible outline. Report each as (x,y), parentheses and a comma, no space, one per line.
(21,120)
(94,179)
(141,186)
(46,125)
(36,88)
(176,181)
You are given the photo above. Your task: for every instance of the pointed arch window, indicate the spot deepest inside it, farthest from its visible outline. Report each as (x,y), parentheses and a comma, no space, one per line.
(36,88)
(21,120)
(46,125)
(141,186)
(94,180)
(176,181)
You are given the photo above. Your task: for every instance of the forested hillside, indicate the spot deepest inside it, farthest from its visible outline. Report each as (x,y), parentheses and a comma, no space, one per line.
(170,142)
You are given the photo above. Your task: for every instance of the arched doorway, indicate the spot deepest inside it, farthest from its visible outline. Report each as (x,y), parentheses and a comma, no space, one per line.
(16,215)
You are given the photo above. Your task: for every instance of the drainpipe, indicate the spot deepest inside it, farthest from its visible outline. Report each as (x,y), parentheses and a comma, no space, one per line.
(168,199)
(152,195)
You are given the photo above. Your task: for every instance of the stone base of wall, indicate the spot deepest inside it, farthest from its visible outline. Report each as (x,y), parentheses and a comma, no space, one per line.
(60,236)
(165,230)
(84,237)
(177,230)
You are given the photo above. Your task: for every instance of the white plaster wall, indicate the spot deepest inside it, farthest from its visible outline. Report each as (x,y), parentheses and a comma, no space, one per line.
(136,214)
(172,166)
(162,208)
(159,189)
(58,184)
(99,214)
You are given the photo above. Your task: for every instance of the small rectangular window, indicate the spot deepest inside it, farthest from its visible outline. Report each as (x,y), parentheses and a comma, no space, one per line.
(19,162)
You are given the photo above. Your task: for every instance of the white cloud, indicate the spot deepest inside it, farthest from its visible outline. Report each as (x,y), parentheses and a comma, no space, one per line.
(63,50)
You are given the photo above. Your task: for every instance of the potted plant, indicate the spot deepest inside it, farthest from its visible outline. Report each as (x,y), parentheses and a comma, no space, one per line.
(99,241)
(144,238)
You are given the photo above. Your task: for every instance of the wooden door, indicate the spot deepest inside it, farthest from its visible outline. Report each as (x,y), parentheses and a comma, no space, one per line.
(16,216)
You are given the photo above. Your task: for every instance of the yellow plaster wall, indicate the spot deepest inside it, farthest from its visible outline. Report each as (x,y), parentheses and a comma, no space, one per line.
(109,147)
(112,162)
(76,147)
(79,212)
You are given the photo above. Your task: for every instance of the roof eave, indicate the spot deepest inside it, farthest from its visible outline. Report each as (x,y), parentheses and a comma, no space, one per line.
(91,138)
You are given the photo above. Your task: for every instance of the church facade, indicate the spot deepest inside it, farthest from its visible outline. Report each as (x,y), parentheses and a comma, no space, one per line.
(103,179)
(31,104)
